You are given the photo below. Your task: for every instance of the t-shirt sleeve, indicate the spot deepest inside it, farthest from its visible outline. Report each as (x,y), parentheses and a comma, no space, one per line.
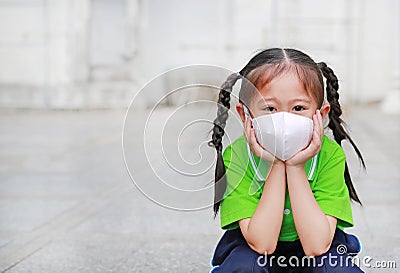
(330,190)
(237,203)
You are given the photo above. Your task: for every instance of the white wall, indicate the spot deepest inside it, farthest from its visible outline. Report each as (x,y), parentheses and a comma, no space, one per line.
(98,53)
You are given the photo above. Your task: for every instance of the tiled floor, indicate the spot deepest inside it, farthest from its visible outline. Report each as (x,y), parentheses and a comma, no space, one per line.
(67,203)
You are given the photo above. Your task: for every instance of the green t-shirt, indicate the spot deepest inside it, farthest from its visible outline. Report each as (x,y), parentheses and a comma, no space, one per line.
(325,173)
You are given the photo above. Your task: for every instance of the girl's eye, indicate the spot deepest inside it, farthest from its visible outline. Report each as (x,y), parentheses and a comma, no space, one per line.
(269,109)
(298,108)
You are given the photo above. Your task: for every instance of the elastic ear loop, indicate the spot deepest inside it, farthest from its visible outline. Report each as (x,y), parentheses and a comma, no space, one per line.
(315,157)
(253,164)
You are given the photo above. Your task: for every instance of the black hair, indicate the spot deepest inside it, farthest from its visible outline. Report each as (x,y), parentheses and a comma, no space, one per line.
(218,132)
(259,71)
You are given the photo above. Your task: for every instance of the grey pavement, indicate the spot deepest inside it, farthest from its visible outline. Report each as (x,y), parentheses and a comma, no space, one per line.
(67,203)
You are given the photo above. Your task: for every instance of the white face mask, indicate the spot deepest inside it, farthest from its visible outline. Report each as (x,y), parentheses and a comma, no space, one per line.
(282,134)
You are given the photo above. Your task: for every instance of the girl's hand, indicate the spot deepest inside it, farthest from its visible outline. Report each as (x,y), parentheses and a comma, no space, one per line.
(313,148)
(255,147)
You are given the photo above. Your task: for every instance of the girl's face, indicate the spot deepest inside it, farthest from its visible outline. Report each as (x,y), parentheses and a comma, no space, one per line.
(284,93)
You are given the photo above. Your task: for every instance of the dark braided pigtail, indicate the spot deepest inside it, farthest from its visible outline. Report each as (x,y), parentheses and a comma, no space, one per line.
(336,123)
(218,133)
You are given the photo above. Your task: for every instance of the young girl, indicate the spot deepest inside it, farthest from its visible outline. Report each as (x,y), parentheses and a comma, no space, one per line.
(284,204)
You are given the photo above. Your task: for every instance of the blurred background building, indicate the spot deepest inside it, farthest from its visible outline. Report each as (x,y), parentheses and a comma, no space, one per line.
(98,53)
(67,203)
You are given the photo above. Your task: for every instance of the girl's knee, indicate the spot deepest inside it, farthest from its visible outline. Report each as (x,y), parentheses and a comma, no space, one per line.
(242,259)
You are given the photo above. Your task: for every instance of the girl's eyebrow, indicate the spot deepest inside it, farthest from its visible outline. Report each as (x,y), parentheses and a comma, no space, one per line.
(301,99)
(267,99)
(272,99)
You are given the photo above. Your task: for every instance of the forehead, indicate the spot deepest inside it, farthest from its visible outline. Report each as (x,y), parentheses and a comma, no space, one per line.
(284,87)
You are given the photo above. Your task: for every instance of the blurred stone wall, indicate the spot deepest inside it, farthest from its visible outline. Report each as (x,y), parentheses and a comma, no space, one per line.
(99,53)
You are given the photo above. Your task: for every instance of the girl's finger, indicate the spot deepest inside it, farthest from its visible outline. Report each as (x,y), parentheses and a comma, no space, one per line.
(316,124)
(254,144)
(246,128)
(318,120)
(316,141)
(321,122)
(253,139)
(257,149)
(249,129)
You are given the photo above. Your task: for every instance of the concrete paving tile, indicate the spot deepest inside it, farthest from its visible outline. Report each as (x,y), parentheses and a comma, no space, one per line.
(132,212)
(113,252)
(53,161)
(28,214)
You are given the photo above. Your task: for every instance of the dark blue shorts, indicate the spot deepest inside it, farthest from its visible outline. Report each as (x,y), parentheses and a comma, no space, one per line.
(233,254)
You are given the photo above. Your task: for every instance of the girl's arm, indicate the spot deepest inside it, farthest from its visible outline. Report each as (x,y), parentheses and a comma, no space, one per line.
(315,229)
(261,231)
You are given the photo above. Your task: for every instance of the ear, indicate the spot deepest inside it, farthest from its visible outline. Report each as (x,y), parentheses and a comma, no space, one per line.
(240,111)
(325,110)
